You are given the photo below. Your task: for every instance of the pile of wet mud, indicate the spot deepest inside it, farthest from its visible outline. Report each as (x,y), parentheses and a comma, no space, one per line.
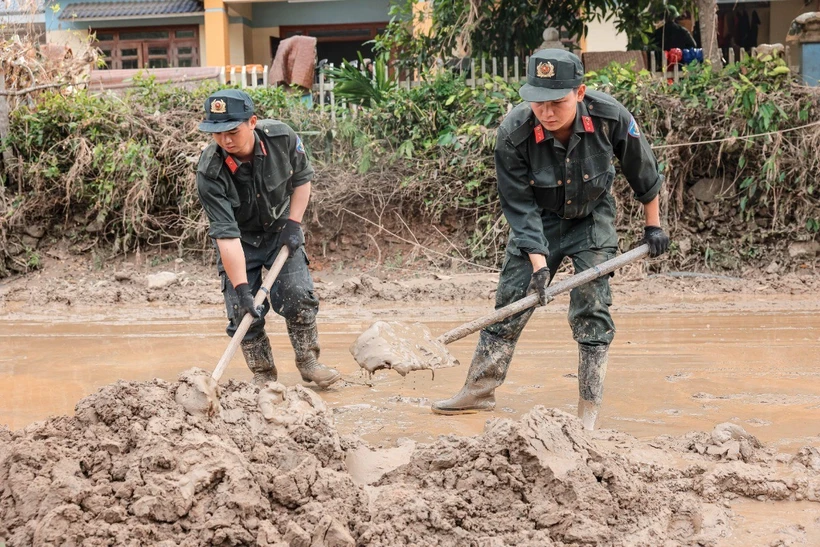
(133,467)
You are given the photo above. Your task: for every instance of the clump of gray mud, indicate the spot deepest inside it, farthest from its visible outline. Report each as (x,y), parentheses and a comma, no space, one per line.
(269,468)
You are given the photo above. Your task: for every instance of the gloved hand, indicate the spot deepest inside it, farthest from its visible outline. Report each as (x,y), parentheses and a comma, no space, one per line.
(657,240)
(291,235)
(243,290)
(538,285)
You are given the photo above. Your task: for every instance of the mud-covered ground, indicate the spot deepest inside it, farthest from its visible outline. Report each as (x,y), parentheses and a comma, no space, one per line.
(171,285)
(707,438)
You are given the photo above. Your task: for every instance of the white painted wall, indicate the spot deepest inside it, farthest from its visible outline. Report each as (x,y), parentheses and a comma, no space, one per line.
(602,36)
(261,45)
(75,39)
(236,41)
(202,60)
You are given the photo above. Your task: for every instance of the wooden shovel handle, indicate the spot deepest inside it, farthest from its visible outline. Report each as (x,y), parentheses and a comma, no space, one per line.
(529,301)
(245,324)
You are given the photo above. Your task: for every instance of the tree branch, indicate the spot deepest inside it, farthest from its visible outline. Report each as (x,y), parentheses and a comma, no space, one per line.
(32,89)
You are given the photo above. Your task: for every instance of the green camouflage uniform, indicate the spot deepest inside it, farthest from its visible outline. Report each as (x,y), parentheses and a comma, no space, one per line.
(251,201)
(558,202)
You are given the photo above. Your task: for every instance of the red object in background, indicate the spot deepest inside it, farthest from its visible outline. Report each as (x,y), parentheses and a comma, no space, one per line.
(673,57)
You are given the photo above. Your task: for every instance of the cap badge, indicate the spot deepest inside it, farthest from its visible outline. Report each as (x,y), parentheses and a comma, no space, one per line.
(545,70)
(219,106)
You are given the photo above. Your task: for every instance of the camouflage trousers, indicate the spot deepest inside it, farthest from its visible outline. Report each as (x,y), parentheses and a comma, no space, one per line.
(292,295)
(588,242)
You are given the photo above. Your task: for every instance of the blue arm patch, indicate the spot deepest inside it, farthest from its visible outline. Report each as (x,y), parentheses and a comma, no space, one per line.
(633,128)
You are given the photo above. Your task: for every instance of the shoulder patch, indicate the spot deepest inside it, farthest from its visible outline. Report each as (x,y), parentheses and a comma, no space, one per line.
(518,124)
(272,128)
(210,161)
(299,146)
(601,105)
(633,128)
(521,133)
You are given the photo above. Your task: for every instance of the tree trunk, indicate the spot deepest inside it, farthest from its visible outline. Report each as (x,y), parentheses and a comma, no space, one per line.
(707,10)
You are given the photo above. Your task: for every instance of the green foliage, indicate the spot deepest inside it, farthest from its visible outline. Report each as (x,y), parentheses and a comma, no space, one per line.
(127,164)
(745,108)
(33,260)
(355,84)
(123,163)
(636,19)
(505,28)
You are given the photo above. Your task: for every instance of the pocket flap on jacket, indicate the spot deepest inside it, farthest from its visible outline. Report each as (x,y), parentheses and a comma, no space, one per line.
(545,178)
(278,176)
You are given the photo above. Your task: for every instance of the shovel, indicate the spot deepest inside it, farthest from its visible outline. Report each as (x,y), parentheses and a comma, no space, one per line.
(405,347)
(245,324)
(198,392)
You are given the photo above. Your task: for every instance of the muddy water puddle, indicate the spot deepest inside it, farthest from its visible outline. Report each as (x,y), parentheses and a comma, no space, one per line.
(669,373)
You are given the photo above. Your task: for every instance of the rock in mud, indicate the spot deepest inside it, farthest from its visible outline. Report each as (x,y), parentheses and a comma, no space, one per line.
(729,441)
(161,280)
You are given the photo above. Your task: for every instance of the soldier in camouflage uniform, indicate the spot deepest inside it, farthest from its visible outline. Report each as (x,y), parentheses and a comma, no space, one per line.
(555,159)
(254,183)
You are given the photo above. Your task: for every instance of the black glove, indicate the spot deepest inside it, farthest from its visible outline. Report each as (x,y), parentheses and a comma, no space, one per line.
(243,291)
(538,285)
(291,235)
(657,240)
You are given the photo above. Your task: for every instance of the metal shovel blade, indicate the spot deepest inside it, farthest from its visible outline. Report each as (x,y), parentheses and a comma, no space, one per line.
(403,347)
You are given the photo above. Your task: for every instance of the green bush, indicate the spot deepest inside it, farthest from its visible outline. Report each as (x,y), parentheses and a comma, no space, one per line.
(125,164)
(755,111)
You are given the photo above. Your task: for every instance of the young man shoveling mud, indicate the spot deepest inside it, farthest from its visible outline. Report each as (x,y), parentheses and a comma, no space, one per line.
(555,163)
(254,183)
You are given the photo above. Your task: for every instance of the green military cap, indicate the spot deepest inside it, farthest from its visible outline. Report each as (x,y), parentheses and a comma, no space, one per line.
(551,75)
(226,109)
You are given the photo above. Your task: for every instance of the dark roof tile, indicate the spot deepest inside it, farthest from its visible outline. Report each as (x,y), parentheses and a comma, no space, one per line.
(102,10)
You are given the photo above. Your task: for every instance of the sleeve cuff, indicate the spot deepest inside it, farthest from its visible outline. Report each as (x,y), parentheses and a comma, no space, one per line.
(530,246)
(302,177)
(652,193)
(224,230)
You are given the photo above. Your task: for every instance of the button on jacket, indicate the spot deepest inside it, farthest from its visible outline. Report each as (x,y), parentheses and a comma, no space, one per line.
(537,174)
(248,200)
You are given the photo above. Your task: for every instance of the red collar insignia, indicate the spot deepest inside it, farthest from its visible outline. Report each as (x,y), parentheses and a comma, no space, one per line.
(262,145)
(588,125)
(539,134)
(231,163)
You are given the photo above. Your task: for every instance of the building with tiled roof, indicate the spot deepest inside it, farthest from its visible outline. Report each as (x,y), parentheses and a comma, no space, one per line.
(184,33)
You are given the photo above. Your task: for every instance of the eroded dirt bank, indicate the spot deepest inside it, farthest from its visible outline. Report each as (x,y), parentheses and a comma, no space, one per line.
(132,468)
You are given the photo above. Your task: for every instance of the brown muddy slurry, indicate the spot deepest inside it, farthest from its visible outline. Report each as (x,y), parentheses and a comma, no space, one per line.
(364,463)
(669,373)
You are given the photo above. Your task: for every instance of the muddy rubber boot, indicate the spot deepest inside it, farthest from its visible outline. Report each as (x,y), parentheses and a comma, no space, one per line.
(305,342)
(259,357)
(487,371)
(592,362)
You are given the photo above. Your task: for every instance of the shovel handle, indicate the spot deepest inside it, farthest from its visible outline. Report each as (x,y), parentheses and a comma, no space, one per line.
(245,324)
(532,300)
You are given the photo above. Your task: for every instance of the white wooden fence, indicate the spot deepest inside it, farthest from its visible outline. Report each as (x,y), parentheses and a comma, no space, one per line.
(244,77)
(477,72)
